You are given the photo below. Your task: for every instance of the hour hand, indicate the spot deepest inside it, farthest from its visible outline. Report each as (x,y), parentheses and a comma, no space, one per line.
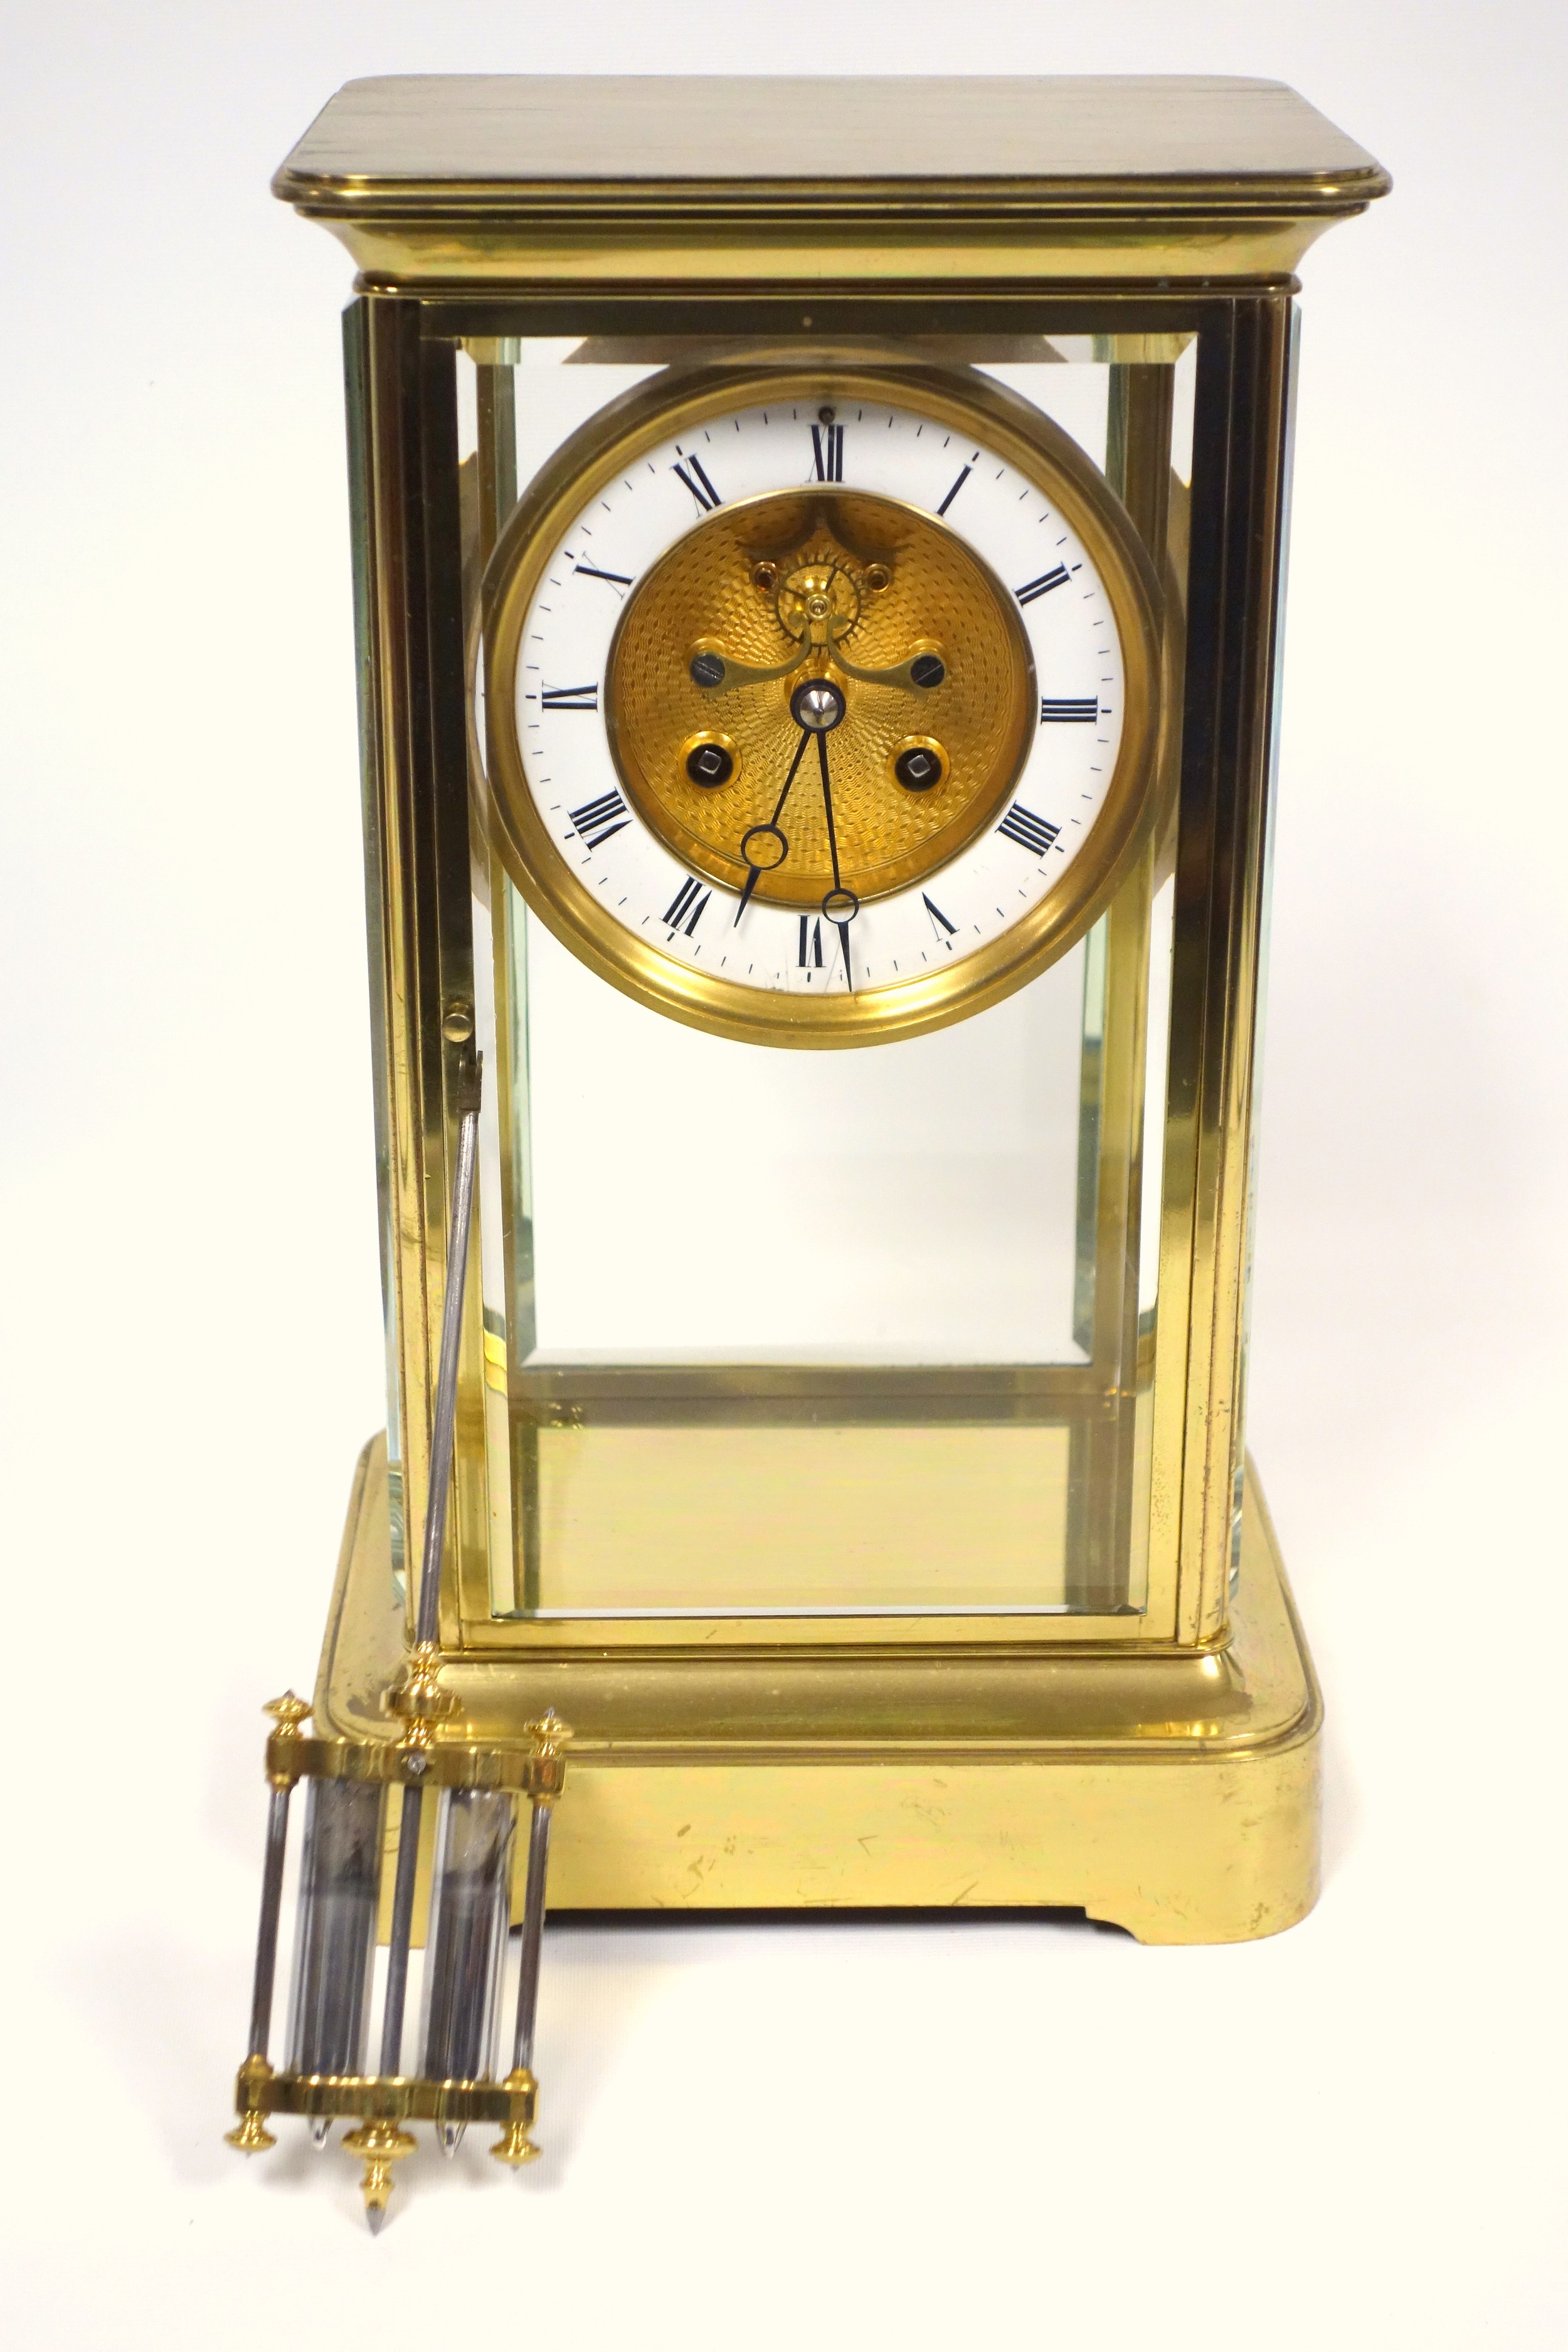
(764,847)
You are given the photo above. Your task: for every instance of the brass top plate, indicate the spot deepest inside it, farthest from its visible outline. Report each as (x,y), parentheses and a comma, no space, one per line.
(456,177)
(417,138)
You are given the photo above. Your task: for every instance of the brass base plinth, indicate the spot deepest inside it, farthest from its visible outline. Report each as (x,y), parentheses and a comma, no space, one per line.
(1174,1793)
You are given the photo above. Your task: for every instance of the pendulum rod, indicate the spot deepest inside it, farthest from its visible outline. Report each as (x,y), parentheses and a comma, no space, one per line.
(446,1375)
(427,1620)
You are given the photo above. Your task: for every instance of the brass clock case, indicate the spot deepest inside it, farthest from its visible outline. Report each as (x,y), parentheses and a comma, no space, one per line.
(874,550)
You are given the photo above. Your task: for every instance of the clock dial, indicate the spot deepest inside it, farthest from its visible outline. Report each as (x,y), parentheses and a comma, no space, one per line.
(821,697)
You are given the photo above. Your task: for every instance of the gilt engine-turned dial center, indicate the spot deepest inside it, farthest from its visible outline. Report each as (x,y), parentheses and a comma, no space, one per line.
(923,736)
(820,707)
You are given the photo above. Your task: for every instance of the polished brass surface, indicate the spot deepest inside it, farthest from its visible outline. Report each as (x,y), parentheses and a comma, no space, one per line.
(419,1702)
(286,1743)
(550,1735)
(387,2099)
(382,2145)
(514,2146)
(1223,824)
(821,619)
(252,2088)
(451,1763)
(948,597)
(797,181)
(1170,1788)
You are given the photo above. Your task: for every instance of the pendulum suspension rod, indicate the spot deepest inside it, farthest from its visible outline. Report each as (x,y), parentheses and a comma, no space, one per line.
(428,1618)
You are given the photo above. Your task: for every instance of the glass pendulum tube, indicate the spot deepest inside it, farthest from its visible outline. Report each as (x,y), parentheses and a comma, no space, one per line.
(336,1940)
(470,1911)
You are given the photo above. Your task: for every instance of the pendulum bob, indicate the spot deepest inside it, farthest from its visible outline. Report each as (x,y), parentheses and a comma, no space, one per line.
(331,2020)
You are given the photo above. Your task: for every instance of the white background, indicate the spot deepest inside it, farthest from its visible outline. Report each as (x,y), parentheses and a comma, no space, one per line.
(834,2135)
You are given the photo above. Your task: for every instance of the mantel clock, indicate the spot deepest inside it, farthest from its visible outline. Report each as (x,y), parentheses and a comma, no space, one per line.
(818,558)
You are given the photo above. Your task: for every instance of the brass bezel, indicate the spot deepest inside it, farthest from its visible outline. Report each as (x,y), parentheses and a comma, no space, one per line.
(672,403)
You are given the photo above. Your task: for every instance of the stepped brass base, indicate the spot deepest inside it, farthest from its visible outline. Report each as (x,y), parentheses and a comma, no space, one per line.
(1173,1794)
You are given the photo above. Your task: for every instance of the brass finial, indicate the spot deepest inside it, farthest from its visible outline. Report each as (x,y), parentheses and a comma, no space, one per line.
(250,2134)
(381,2145)
(284,1744)
(549,1733)
(514,2146)
(416,1698)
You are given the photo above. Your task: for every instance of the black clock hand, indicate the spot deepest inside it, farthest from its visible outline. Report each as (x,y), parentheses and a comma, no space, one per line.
(770,831)
(840,906)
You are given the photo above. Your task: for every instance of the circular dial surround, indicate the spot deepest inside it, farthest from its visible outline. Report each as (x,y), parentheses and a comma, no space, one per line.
(746,852)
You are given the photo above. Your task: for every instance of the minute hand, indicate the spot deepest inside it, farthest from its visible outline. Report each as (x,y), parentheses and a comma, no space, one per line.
(840,906)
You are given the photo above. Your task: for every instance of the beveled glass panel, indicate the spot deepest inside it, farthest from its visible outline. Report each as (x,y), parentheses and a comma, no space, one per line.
(805,1334)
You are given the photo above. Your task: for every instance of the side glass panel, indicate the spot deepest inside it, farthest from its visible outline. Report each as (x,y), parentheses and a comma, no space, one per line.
(804,1334)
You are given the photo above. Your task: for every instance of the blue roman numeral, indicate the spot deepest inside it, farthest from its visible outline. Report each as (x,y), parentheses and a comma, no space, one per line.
(1030,832)
(689,901)
(595,821)
(1043,585)
(697,482)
